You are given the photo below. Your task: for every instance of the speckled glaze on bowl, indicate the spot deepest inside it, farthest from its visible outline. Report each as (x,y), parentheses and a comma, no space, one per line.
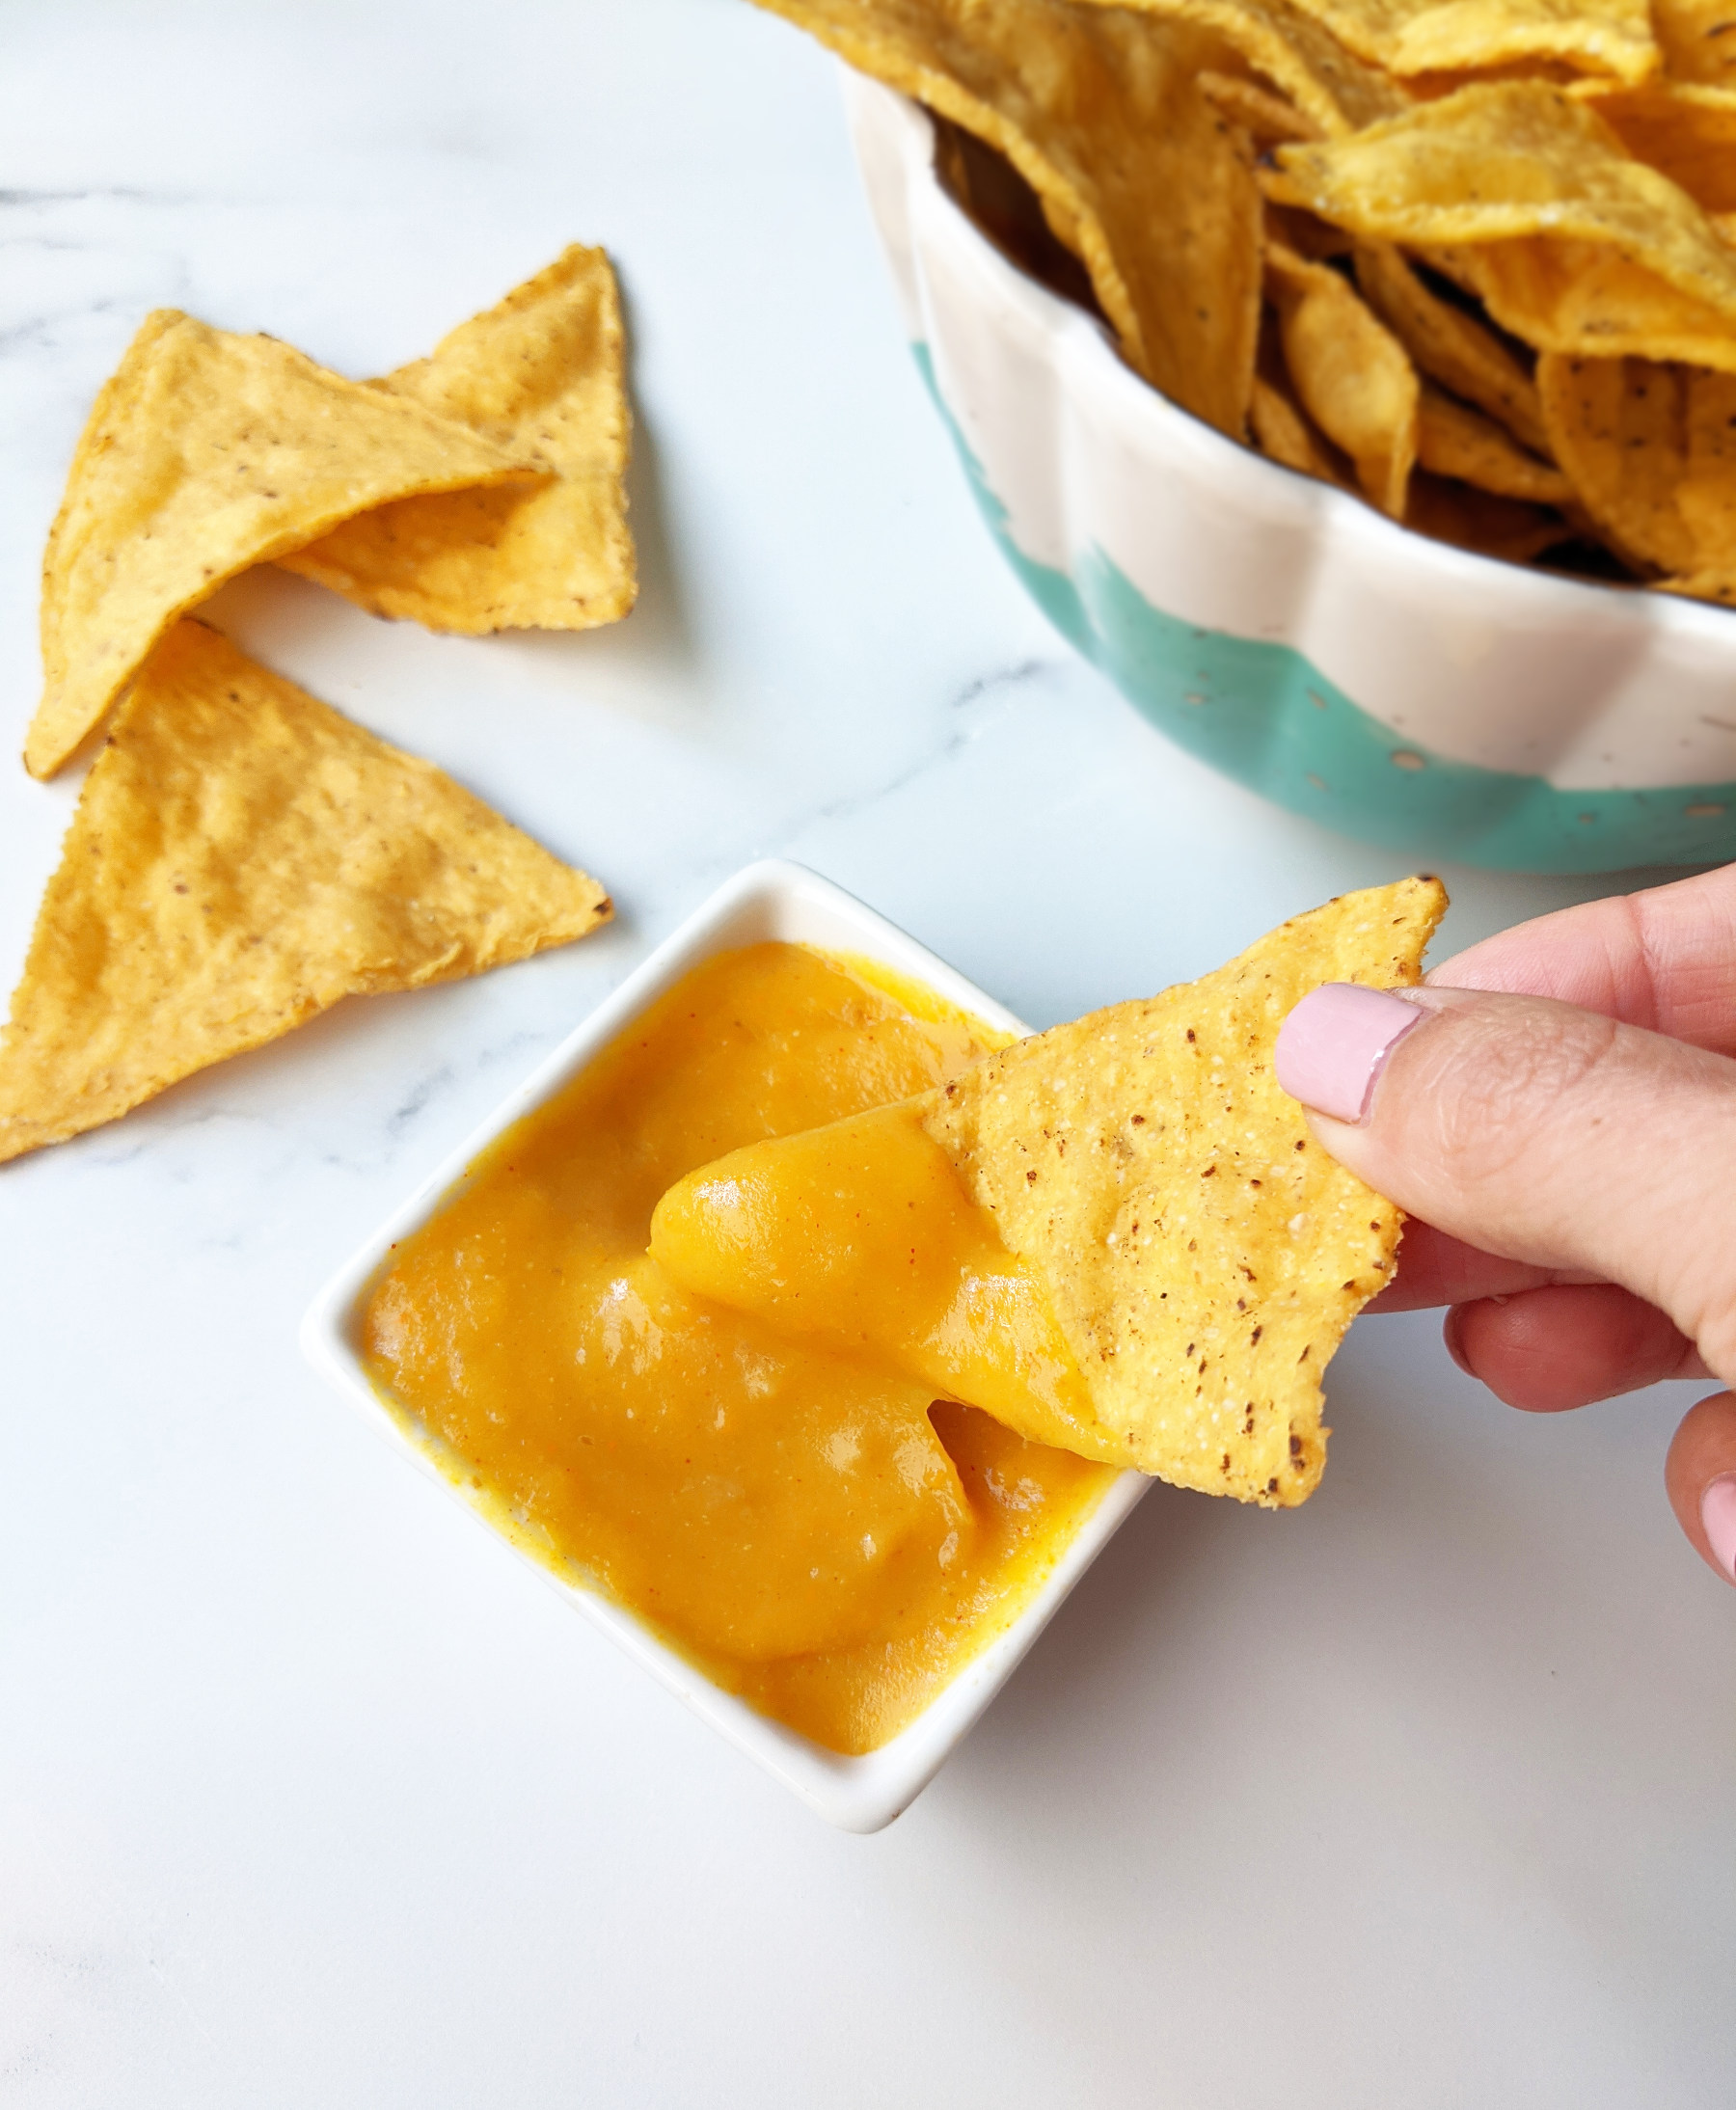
(1404,691)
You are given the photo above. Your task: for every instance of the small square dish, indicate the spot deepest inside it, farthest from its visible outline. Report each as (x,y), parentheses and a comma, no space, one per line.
(766,903)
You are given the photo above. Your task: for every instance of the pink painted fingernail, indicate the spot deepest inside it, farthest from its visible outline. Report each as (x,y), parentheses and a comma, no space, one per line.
(1718,1520)
(1335,1043)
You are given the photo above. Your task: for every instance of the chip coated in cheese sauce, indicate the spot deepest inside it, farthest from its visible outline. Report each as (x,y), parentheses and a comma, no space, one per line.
(824,1536)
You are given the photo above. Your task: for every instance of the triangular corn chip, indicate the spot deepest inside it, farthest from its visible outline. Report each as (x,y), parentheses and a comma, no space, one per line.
(1651,451)
(1351,375)
(1203,1255)
(1449,346)
(1329,85)
(1482,521)
(204,453)
(1453,440)
(1411,37)
(1696,40)
(541,376)
(1528,185)
(1687,133)
(1101,113)
(243,856)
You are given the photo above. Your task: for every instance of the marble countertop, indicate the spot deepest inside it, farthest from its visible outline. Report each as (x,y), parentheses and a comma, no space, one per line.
(309,1792)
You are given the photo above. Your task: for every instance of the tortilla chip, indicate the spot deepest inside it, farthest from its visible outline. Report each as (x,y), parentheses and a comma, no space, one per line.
(1451,346)
(1411,37)
(1336,91)
(1453,439)
(1717,586)
(206,453)
(1686,133)
(1484,521)
(1283,433)
(1696,40)
(541,377)
(1350,374)
(1138,174)
(1587,301)
(1651,451)
(1202,1253)
(1530,184)
(1264,117)
(241,857)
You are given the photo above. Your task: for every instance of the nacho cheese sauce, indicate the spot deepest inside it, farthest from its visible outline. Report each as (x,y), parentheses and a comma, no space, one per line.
(863,1236)
(818,1534)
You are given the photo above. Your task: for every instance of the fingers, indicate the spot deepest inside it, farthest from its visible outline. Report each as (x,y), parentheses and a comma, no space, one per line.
(1434,1269)
(1536,1132)
(1664,959)
(1699,1475)
(1566,1346)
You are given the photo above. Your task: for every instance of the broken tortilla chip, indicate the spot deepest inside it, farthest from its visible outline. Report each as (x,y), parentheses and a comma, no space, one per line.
(1202,1253)
(243,856)
(1139,176)
(541,377)
(206,453)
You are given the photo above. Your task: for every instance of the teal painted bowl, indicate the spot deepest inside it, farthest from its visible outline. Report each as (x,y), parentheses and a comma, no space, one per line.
(1404,691)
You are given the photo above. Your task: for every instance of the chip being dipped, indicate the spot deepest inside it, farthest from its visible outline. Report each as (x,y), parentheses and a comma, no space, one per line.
(1118,1236)
(242,857)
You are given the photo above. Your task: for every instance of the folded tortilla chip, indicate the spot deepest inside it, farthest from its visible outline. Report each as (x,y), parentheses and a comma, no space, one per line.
(1101,113)
(243,856)
(541,376)
(1203,1255)
(206,453)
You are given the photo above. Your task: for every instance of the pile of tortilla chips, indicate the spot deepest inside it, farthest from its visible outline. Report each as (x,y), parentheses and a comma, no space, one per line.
(242,856)
(1472,259)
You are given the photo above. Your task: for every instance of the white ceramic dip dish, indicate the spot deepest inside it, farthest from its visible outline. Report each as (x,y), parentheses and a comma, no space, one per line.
(770,901)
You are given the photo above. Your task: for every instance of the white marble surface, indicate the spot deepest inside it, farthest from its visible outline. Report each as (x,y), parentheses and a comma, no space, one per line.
(308,1792)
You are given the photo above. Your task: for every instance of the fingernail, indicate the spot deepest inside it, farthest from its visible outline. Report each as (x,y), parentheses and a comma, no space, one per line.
(1335,1043)
(1718,1520)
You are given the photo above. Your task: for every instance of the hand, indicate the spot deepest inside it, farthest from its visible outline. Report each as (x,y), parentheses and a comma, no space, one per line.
(1556,1109)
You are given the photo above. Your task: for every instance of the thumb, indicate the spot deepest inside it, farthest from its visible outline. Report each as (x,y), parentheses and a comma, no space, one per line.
(1537,1132)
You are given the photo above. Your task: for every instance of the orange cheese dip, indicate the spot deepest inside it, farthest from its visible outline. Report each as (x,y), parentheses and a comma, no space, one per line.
(820,1535)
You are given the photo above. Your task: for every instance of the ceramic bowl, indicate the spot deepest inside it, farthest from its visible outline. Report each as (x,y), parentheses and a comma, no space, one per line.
(1439,703)
(766,901)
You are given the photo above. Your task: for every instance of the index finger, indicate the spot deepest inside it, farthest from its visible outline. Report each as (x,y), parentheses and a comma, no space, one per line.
(1664,959)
